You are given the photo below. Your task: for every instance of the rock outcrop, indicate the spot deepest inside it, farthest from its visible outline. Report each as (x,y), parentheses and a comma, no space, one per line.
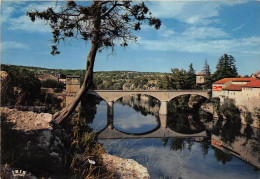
(30,143)
(25,120)
(38,148)
(124,168)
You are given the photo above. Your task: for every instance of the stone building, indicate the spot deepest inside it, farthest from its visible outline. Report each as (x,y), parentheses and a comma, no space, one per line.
(200,78)
(244,91)
(72,87)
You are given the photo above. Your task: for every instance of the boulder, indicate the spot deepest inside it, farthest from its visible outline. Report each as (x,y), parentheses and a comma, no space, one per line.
(124,168)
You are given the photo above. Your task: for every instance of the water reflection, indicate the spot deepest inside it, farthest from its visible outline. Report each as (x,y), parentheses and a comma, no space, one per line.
(230,151)
(161,131)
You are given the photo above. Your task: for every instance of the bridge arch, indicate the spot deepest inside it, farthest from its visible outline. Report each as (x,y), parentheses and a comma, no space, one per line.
(136,93)
(164,96)
(175,96)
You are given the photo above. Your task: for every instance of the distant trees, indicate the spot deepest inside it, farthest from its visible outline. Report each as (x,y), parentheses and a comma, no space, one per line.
(52,84)
(28,87)
(165,82)
(179,79)
(206,70)
(25,89)
(226,67)
(208,77)
(191,77)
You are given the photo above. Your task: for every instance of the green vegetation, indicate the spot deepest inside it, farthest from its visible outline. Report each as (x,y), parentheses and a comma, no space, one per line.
(51,84)
(179,79)
(25,90)
(28,87)
(129,80)
(109,23)
(225,68)
(84,142)
(230,111)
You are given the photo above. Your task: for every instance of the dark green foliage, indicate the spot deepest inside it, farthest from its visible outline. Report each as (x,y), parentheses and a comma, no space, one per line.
(256,113)
(52,84)
(28,90)
(191,77)
(50,101)
(230,111)
(208,77)
(191,70)
(28,86)
(248,118)
(110,21)
(206,70)
(226,67)
(222,156)
(178,116)
(165,83)
(181,79)
(179,144)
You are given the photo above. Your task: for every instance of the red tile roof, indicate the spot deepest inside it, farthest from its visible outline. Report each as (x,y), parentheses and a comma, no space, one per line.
(200,74)
(253,84)
(225,80)
(233,87)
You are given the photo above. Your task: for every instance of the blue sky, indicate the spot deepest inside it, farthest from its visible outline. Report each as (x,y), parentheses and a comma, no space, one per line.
(191,32)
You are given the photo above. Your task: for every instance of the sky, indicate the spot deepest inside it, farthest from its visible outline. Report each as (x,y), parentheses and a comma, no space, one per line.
(191,32)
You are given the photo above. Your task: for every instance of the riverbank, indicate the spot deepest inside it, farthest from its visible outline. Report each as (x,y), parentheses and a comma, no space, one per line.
(31,144)
(246,117)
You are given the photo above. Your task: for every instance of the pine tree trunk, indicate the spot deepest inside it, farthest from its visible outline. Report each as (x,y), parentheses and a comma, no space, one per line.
(66,112)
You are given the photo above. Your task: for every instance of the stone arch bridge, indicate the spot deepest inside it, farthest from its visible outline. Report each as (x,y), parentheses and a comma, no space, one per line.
(164,96)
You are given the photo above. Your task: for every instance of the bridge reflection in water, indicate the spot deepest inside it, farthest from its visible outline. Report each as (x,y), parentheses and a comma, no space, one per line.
(161,131)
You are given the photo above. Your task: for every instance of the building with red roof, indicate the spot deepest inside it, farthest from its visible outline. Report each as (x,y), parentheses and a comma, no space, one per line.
(244,91)
(229,84)
(200,78)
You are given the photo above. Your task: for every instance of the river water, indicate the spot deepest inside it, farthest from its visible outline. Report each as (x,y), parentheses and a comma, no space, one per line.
(224,153)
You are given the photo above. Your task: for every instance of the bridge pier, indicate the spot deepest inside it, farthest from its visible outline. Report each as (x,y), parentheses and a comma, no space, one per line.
(110,122)
(110,108)
(163,121)
(163,108)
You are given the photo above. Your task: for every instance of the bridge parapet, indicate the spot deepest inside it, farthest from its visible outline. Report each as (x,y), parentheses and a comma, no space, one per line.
(164,96)
(161,95)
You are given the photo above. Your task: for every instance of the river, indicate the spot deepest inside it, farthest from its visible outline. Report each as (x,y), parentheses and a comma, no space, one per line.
(228,151)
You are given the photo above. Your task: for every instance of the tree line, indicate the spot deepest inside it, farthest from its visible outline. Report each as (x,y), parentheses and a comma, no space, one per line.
(182,79)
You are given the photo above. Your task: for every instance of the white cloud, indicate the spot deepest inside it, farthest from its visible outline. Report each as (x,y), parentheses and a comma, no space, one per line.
(193,45)
(204,32)
(191,12)
(134,121)
(13,45)
(23,22)
(6,12)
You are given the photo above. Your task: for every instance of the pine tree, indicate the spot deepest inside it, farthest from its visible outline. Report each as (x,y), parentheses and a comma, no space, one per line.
(102,23)
(191,77)
(191,70)
(206,70)
(226,67)
(166,82)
